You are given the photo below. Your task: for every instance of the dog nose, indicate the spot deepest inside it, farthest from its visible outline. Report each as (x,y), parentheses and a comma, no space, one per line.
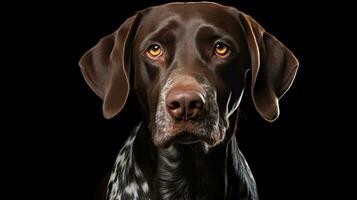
(184,104)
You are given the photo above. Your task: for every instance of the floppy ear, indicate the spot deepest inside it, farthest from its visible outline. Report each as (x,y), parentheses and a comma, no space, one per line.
(106,67)
(273,68)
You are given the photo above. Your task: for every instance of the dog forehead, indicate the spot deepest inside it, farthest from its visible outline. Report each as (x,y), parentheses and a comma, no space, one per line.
(185,8)
(201,12)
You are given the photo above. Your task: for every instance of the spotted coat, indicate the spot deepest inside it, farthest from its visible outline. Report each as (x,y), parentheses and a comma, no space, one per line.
(126,179)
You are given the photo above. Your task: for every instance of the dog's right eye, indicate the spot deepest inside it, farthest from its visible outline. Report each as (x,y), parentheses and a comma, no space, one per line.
(221,49)
(154,51)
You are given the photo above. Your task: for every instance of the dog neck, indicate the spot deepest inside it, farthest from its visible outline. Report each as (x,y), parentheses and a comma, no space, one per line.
(188,172)
(181,171)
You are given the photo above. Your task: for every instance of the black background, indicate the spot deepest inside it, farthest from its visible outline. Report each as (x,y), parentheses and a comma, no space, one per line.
(61,146)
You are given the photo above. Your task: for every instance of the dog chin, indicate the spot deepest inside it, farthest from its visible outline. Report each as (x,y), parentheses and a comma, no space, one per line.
(182,136)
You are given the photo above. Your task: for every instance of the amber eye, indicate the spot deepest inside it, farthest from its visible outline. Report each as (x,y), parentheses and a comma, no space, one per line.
(154,51)
(221,49)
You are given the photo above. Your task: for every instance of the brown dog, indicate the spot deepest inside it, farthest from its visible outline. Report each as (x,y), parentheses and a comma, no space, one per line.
(188,63)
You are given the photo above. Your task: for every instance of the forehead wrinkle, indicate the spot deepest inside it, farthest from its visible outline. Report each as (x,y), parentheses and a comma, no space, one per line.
(165,27)
(218,33)
(215,32)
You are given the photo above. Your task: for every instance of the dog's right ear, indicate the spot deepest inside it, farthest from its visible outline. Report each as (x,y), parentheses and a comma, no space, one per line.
(106,67)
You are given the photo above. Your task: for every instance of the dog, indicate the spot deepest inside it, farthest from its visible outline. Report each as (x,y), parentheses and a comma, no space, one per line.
(188,64)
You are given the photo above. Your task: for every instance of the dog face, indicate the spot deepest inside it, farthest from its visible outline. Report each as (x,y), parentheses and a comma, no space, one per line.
(189,62)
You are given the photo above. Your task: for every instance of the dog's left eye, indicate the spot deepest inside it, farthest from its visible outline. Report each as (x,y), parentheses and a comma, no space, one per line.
(221,49)
(154,51)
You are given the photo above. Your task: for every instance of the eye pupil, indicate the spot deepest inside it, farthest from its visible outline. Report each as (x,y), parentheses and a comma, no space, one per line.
(221,49)
(154,51)
(220,46)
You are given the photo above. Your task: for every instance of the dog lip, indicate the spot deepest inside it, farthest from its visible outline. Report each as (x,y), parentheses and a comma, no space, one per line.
(188,142)
(182,137)
(187,139)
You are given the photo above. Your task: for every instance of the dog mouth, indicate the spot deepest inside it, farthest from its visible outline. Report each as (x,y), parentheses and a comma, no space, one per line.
(187,138)
(182,134)
(182,138)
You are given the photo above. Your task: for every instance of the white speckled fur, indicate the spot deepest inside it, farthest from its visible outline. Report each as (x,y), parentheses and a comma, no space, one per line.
(124,183)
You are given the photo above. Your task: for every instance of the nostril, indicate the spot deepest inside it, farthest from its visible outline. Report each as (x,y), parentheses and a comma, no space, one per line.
(173,105)
(193,108)
(195,104)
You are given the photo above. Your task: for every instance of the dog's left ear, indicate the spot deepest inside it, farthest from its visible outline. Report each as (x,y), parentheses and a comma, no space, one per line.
(273,67)
(106,67)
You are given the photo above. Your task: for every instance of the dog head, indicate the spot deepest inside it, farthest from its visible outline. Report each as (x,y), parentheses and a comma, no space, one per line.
(189,62)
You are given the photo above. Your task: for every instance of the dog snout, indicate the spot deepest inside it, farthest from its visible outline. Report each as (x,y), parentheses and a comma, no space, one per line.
(184,103)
